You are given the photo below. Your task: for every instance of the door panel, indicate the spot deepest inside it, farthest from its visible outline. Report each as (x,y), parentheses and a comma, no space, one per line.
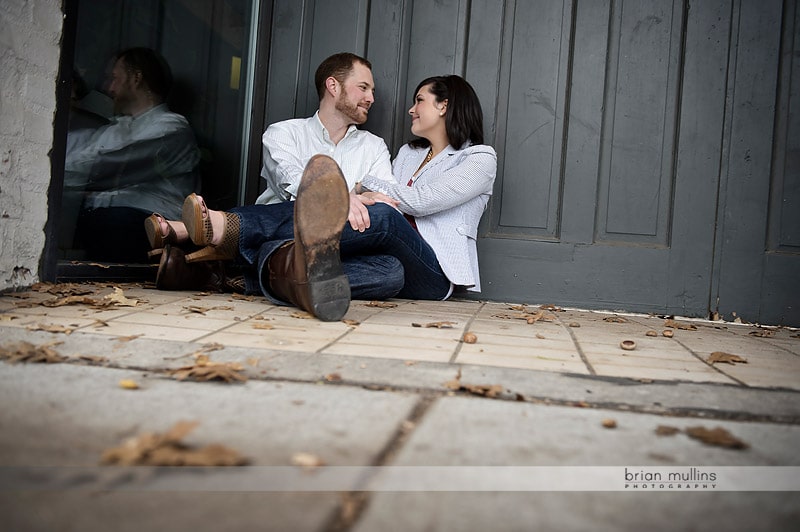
(636,165)
(758,269)
(619,239)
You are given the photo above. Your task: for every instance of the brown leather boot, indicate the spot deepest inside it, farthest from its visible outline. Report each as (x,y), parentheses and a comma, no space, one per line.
(174,273)
(307,272)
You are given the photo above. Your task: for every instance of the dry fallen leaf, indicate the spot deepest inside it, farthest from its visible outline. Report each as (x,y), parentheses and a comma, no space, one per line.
(123,339)
(469,338)
(615,319)
(202,310)
(63,288)
(352,323)
(205,370)
(69,300)
(214,346)
(380,304)
(529,317)
(52,328)
(574,324)
(96,359)
(718,437)
(27,352)
(651,333)
(727,358)
(609,423)
(196,309)
(666,430)
(265,326)
(436,324)
(679,325)
(118,298)
(168,450)
(301,315)
(8,317)
(486,390)
(551,308)
(762,333)
(128,384)
(333,377)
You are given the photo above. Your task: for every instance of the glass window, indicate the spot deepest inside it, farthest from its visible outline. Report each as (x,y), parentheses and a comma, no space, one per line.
(159,109)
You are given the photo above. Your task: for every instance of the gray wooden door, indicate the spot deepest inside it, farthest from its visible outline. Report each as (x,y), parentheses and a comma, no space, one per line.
(635,138)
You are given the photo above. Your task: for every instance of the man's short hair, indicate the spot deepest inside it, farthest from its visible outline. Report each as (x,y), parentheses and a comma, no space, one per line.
(155,71)
(338,66)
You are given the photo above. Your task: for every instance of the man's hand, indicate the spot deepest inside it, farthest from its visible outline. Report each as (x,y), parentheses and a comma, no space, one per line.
(359,216)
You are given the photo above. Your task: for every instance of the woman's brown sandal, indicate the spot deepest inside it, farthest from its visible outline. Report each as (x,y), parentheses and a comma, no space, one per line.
(197,219)
(155,235)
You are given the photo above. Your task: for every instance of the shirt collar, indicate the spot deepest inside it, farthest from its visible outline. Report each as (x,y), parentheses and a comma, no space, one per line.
(319,128)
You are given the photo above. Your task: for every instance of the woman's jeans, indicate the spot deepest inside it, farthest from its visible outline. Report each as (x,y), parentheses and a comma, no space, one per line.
(388,259)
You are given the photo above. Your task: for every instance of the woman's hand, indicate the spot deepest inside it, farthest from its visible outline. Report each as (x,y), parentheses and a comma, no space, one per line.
(379,197)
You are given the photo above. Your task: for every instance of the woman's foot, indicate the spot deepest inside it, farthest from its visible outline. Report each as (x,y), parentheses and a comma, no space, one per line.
(218,231)
(161,231)
(204,226)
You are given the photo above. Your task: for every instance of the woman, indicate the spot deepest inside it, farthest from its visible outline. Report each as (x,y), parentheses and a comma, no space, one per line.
(420,243)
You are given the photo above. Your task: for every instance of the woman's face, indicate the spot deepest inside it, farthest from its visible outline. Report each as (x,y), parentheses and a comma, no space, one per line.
(427,115)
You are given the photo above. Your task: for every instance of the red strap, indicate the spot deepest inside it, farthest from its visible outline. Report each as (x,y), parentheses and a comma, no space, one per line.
(408,217)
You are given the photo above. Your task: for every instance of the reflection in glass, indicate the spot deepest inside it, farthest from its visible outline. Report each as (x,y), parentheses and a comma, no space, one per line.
(157,113)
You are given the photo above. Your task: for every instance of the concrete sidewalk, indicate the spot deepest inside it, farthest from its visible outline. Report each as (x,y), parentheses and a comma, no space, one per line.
(543,400)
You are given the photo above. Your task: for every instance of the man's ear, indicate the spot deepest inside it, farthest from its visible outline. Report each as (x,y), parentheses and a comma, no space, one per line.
(137,78)
(332,85)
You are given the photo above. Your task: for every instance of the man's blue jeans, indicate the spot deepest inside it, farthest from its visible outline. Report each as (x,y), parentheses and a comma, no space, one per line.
(389,259)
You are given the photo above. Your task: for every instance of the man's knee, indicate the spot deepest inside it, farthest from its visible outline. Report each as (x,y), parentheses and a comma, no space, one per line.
(384,216)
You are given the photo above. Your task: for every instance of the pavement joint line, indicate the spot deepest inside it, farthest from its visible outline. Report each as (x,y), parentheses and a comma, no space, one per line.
(355,502)
(335,340)
(578,347)
(508,396)
(460,344)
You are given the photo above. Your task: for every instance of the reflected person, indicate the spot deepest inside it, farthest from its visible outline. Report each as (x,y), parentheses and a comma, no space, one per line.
(143,161)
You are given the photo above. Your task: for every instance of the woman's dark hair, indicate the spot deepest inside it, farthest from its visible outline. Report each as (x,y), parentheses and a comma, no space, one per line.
(464,118)
(155,71)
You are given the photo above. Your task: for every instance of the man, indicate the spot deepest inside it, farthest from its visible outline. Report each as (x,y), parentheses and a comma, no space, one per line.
(142,162)
(346,93)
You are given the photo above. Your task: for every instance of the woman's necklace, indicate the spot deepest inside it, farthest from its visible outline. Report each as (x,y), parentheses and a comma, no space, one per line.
(425,161)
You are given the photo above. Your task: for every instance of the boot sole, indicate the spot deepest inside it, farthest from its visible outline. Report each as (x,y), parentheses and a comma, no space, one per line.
(320,213)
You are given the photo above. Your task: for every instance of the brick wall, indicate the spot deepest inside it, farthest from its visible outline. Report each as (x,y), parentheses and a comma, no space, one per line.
(30,34)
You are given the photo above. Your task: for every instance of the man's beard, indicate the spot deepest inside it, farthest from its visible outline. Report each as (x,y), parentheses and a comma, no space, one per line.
(122,105)
(351,110)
